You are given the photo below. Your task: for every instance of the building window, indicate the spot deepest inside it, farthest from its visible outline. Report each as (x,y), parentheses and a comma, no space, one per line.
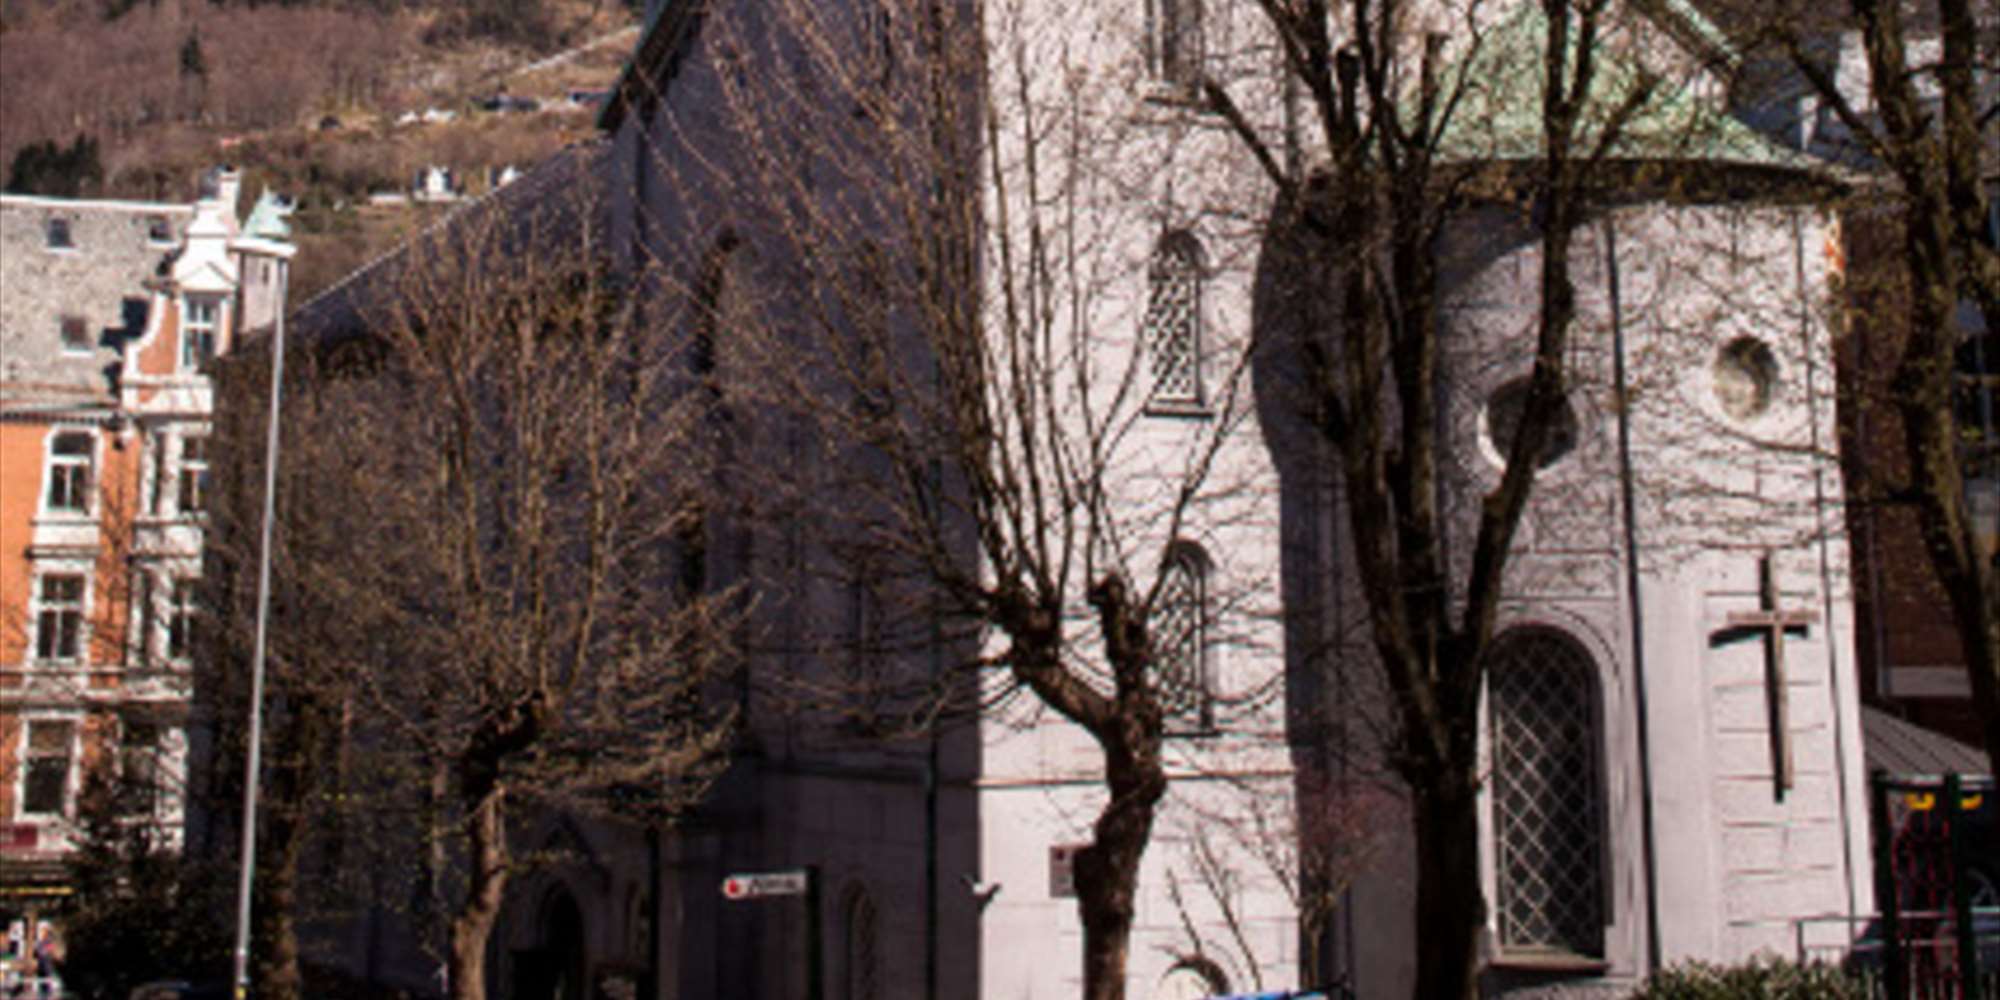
(1175,49)
(193,494)
(1745,374)
(199,319)
(181,620)
(1977,406)
(59,616)
(138,769)
(1507,405)
(75,335)
(45,779)
(156,487)
(69,472)
(1180,640)
(158,230)
(57,232)
(861,977)
(147,614)
(1172,328)
(1548,796)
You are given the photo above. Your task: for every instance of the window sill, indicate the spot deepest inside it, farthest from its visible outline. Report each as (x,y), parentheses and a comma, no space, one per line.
(1185,96)
(1183,409)
(1550,963)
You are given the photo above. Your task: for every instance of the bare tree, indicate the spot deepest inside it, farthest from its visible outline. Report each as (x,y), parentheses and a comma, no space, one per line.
(1383,93)
(921,304)
(1928,117)
(489,457)
(928,238)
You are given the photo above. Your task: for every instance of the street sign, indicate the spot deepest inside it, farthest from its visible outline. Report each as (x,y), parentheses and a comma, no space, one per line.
(758,885)
(1062,870)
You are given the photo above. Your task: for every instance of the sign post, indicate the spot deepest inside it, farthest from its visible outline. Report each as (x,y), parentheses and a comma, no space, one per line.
(745,886)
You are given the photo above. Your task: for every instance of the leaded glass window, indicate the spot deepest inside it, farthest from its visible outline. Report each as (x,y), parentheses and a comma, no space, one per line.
(1176,49)
(1172,330)
(1547,795)
(1180,639)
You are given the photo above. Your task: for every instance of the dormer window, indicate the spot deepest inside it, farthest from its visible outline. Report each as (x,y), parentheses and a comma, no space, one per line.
(200,317)
(59,237)
(75,335)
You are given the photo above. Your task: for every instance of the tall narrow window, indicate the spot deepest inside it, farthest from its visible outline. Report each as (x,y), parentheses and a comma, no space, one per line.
(181,620)
(1176,49)
(158,486)
(58,235)
(1548,795)
(69,472)
(45,783)
(138,769)
(1180,639)
(148,615)
(1978,412)
(862,974)
(193,494)
(59,616)
(1172,329)
(200,316)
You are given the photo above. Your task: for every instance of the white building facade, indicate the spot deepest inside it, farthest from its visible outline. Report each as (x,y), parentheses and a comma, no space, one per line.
(1670,776)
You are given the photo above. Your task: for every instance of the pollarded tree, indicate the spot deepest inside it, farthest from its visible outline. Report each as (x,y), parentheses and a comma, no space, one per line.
(500,460)
(998,389)
(1384,156)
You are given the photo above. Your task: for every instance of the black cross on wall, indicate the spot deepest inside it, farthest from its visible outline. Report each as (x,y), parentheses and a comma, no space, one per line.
(1771,623)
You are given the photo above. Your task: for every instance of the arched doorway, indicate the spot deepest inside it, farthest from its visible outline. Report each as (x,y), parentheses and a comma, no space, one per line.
(553,969)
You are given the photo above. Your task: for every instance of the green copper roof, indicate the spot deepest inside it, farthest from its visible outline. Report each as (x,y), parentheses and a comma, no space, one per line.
(267,219)
(1499,111)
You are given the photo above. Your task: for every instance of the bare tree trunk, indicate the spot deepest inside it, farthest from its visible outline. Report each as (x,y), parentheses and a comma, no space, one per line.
(1107,872)
(278,976)
(472,927)
(1451,908)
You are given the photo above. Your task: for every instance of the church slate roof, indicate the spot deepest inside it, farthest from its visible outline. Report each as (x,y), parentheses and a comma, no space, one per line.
(543,195)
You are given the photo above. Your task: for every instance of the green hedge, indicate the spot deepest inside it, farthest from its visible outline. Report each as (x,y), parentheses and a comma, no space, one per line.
(1760,979)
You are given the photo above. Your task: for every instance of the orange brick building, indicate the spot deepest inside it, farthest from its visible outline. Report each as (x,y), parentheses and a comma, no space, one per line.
(110,316)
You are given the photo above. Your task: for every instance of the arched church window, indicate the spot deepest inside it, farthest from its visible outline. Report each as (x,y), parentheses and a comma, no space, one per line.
(1175,43)
(1194,977)
(1548,795)
(1180,639)
(861,976)
(1172,327)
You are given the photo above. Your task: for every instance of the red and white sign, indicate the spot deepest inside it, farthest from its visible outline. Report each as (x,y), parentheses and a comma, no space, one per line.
(758,885)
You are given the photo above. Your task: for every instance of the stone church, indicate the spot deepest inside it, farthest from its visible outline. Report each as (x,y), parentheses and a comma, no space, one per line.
(1672,724)
(1673,755)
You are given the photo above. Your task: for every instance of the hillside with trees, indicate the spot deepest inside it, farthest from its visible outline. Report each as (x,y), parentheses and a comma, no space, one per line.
(323,100)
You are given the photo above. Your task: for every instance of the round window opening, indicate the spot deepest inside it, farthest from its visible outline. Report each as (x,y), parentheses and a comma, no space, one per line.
(1746,372)
(1503,420)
